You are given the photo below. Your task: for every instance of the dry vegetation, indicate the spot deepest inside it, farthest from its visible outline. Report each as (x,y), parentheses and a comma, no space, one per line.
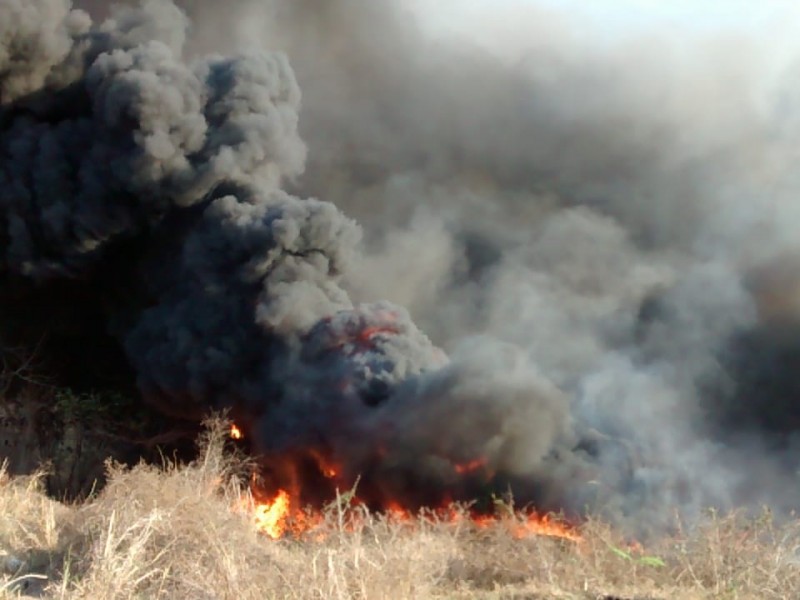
(176,533)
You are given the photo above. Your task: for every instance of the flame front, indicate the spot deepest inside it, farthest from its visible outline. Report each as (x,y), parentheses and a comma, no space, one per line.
(280,512)
(544,525)
(282,516)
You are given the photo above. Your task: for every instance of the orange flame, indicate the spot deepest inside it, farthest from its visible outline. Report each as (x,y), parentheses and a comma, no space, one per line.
(544,525)
(280,517)
(326,467)
(277,507)
(271,517)
(277,504)
(397,511)
(471,466)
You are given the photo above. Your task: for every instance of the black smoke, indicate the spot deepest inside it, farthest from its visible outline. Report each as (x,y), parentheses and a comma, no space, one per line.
(587,232)
(143,192)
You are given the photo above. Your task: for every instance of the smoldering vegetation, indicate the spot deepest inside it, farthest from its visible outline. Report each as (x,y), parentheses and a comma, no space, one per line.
(599,235)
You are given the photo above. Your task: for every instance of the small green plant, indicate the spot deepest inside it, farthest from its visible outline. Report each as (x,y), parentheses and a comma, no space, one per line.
(647,561)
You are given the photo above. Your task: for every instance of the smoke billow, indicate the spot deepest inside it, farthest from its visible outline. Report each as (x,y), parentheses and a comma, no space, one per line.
(600,238)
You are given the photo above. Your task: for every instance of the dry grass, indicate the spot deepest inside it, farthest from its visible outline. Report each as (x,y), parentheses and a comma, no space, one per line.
(173,533)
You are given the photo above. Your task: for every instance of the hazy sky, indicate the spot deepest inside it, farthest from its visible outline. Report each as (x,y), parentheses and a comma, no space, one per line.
(626,16)
(742,14)
(515,28)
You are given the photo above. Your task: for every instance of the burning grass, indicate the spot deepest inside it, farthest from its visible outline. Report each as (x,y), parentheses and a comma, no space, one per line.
(189,532)
(279,512)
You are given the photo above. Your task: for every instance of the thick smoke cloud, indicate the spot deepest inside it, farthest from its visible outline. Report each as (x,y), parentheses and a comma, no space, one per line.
(601,237)
(622,212)
(156,183)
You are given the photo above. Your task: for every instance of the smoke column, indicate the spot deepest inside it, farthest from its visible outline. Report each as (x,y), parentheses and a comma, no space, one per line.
(598,242)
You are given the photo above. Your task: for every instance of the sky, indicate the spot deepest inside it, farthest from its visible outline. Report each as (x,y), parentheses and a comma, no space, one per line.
(512,29)
(700,14)
(619,17)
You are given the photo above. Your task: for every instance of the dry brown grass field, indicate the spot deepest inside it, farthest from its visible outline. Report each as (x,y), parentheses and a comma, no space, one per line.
(180,532)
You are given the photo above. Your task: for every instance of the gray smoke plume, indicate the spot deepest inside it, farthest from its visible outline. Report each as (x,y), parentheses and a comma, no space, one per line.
(600,237)
(623,213)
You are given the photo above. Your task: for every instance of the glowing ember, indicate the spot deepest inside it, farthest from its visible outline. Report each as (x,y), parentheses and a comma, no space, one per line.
(327,468)
(236,433)
(271,517)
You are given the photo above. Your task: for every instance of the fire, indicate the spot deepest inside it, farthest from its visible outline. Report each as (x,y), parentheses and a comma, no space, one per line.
(277,500)
(285,503)
(328,469)
(281,516)
(544,525)
(271,517)
(397,511)
(471,466)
